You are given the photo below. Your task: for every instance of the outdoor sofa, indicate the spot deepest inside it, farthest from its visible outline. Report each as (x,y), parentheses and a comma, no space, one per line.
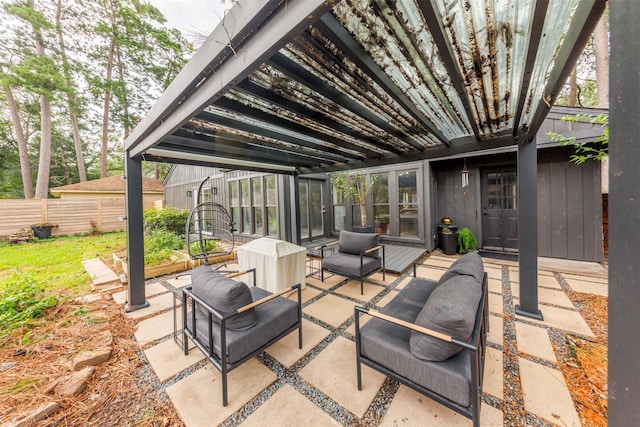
(231,322)
(432,336)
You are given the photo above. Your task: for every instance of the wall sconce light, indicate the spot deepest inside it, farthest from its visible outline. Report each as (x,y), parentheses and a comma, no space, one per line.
(464,174)
(189,193)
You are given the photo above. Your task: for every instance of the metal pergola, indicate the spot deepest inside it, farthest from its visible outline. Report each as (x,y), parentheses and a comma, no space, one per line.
(306,86)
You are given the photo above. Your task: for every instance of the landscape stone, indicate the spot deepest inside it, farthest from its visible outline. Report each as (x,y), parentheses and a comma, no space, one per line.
(75,383)
(42,412)
(91,358)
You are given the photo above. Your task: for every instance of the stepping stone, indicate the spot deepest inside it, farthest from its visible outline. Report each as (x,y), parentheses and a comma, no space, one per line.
(586,287)
(167,359)
(100,274)
(534,341)
(333,371)
(496,330)
(30,419)
(410,408)
(351,289)
(156,305)
(91,358)
(198,397)
(493,373)
(157,327)
(290,408)
(155,288)
(560,318)
(286,350)
(545,394)
(331,309)
(75,383)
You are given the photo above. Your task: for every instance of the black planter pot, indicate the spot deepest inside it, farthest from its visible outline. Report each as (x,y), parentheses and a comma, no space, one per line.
(43,232)
(448,242)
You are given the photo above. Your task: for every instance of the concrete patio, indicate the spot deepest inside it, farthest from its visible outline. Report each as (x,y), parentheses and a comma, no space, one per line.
(317,385)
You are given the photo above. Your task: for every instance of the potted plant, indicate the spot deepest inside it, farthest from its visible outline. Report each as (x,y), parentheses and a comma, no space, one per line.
(42,230)
(466,241)
(447,238)
(354,185)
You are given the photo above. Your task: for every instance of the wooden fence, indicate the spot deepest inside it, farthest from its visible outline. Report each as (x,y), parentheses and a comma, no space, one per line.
(71,216)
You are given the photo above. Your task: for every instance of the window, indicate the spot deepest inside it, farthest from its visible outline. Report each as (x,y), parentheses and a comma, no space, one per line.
(408,203)
(380,192)
(339,211)
(272,205)
(252,200)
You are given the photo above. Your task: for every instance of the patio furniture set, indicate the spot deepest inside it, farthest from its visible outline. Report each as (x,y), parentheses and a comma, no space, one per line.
(431,336)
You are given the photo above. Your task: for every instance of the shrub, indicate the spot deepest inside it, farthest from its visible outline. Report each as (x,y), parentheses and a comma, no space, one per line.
(167,219)
(466,241)
(22,299)
(159,246)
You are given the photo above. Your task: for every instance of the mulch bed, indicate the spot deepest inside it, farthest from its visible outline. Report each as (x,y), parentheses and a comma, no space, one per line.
(114,396)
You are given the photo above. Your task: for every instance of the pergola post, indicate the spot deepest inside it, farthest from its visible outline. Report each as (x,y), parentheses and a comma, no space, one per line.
(528,229)
(296,209)
(624,213)
(135,235)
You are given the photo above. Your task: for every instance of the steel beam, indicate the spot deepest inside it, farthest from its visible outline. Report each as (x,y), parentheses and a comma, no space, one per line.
(537,25)
(284,24)
(528,229)
(135,236)
(624,212)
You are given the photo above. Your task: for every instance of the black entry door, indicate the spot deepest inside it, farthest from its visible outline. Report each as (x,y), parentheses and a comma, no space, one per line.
(499,208)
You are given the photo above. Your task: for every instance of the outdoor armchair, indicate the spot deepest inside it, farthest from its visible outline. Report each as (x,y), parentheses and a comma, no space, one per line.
(359,255)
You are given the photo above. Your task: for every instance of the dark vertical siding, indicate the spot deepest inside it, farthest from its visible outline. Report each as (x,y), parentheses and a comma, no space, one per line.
(569,206)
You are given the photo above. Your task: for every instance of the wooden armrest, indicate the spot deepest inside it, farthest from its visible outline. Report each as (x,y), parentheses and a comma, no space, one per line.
(268,298)
(411,326)
(238,273)
(373,249)
(321,247)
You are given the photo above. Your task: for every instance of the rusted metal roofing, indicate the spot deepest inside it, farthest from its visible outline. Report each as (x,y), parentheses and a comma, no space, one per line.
(353,83)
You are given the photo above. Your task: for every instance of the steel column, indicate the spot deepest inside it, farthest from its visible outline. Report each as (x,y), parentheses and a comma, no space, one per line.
(528,229)
(135,235)
(296,209)
(624,212)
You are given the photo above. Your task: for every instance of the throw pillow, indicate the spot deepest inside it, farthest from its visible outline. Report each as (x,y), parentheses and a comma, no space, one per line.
(450,309)
(469,264)
(225,295)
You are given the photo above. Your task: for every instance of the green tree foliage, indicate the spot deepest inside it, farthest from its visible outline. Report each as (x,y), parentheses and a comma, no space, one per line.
(72,76)
(167,219)
(596,150)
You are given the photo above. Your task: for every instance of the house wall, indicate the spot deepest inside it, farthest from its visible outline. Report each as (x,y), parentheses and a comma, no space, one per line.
(569,202)
(148,198)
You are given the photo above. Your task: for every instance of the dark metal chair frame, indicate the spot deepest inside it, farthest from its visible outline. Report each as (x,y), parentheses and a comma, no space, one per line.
(361,277)
(217,319)
(477,346)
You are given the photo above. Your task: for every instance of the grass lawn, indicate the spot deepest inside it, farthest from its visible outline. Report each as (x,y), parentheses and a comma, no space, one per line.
(57,262)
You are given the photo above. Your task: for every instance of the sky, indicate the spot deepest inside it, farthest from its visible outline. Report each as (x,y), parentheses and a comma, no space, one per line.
(192,16)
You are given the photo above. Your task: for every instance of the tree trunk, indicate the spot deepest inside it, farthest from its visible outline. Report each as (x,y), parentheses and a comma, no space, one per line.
(573,88)
(75,130)
(44,163)
(104,150)
(601,49)
(25,167)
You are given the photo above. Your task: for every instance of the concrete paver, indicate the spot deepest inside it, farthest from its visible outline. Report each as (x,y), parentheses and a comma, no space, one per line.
(430,273)
(156,327)
(436,262)
(156,305)
(387,299)
(330,309)
(409,408)
(493,378)
(198,397)
(287,404)
(545,394)
(334,372)
(167,359)
(329,281)
(546,296)
(286,350)
(495,285)
(496,326)
(567,320)
(603,280)
(495,303)
(587,287)
(351,289)
(150,290)
(534,341)
(99,272)
(307,294)
(377,278)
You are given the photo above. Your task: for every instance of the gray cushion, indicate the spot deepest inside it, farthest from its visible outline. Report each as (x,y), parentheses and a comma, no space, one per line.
(349,264)
(450,309)
(356,243)
(388,345)
(272,319)
(223,294)
(469,264)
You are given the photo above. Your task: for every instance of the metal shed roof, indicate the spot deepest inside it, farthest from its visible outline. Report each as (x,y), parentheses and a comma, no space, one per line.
(303,86)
